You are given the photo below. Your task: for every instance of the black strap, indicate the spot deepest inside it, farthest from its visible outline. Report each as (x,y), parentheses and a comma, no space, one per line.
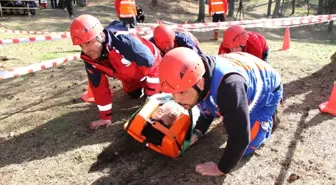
(189,132)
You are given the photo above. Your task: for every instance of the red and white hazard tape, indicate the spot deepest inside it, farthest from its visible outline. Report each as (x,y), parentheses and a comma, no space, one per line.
(33,32)
(269,23)
(34,39)
(36,67)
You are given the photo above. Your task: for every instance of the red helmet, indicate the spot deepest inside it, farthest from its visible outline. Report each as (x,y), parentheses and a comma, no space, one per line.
(164,36)
(180,69)
(235,36)
(84,28)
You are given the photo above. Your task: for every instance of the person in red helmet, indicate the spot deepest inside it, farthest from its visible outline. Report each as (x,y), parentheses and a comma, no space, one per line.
(166,39)
(236,39)
(131,59)
(239,87)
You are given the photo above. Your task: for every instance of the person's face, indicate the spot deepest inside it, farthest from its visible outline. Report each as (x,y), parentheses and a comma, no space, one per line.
(93,48)
(168,47)
(236,49)
(189,98)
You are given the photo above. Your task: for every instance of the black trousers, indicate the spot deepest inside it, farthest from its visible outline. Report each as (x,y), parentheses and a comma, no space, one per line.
(218,17)
(69,7)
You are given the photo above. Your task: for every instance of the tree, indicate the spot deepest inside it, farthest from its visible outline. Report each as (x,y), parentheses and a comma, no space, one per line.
(332,10)
(276,9)
(320,7)
(307,7)
(293,7)
(269,7)
(231,7)
(282,5)
(201,10)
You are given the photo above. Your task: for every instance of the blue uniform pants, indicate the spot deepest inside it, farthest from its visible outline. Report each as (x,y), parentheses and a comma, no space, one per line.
(261,119)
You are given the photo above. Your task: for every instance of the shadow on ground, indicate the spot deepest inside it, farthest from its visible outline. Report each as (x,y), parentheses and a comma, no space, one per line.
(317,88)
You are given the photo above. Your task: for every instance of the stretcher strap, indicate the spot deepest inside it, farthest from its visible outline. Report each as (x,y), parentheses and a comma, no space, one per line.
(167,132)
(132,118)
(186,143)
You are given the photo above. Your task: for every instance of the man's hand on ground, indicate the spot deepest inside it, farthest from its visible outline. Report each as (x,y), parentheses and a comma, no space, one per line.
(96,124)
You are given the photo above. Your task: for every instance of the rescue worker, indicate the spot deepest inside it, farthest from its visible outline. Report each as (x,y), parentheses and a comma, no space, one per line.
(131,59)
(239,87)
(217,10)
(127,12)
(237,39)
(166,39)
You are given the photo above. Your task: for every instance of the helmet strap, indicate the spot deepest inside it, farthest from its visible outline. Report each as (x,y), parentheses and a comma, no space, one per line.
(198,90)
(99,39)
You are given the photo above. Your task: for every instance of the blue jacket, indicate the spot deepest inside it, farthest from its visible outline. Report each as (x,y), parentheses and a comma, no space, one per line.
(183,40)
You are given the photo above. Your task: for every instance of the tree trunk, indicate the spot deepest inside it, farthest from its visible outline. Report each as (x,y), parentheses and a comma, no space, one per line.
(293,7)
(307,7)
(231,8)
(320,7)
(331,26)
(61,4)
(201,10)
(154,2)
(282,5)
(332,10)
(276,9)
(269,7)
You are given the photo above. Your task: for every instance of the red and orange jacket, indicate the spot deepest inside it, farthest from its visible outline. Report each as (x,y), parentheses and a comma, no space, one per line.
(125,57)
(255,45)
(218,7)
(125,8)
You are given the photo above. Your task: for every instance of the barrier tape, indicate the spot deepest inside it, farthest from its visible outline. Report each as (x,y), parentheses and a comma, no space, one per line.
(34,39)
(32,32)
(269,23)
(16,72)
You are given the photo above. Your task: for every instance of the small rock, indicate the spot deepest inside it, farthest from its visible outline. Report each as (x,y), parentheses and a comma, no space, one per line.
(274,150)
(11,134)
(310,161)
(293,177)
(84,89)
(55,87)
(69,86)
(74,100)
(116,153)
(51,76)
(74,83)
(114,87)
(17,99)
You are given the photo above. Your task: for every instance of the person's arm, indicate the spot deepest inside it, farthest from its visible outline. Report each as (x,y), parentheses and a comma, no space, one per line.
(225,4)
(203,123)
(185,41)
(233,105)
(134,50)
(222,49)
(210,8)
(98,83)
(116,5)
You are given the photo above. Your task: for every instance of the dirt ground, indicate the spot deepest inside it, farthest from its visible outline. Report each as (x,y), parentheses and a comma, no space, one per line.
(43,123)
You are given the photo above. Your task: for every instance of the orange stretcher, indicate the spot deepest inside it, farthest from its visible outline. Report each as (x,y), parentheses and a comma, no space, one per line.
(176,137)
